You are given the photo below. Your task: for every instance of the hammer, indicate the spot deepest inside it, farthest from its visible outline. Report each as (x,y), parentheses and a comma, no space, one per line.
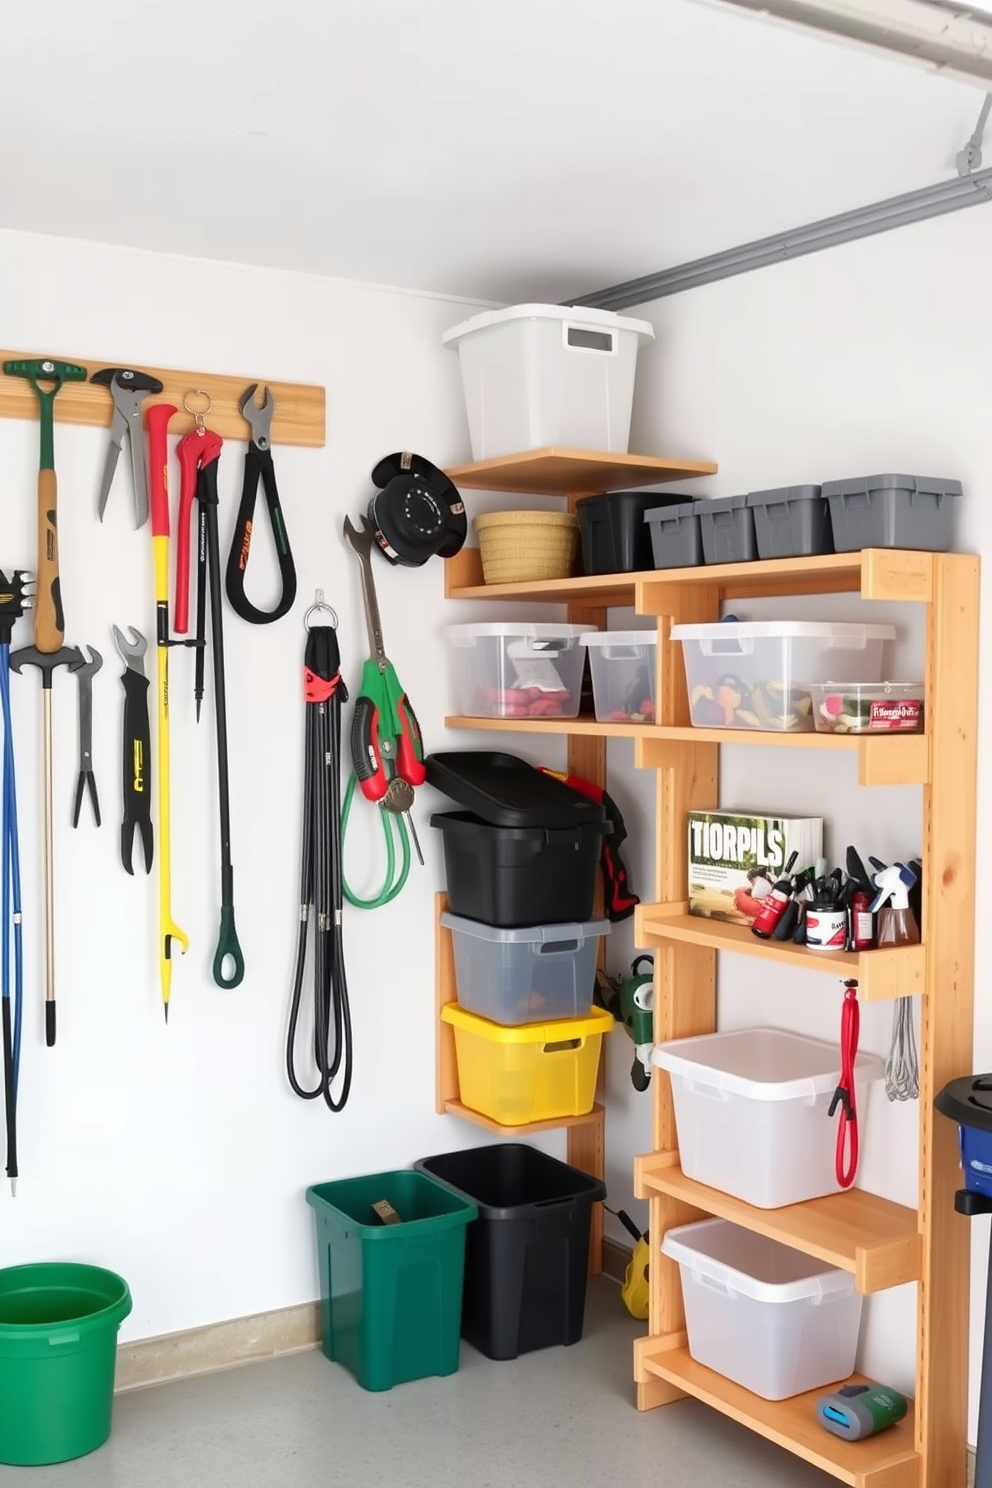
(49,625)
(46,663)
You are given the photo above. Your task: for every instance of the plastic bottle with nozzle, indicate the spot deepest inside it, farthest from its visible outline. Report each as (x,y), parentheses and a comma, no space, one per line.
(896,923)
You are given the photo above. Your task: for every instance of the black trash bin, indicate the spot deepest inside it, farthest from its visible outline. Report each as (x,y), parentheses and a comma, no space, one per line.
(527,1256)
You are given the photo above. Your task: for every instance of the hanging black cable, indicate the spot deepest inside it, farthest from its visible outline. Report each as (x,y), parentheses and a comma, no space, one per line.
(321,882)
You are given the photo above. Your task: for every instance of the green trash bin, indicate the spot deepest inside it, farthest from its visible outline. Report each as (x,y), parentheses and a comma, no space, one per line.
(391,1293)
(58,1351)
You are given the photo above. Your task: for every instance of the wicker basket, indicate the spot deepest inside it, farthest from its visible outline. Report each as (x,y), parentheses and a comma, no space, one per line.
(518,546)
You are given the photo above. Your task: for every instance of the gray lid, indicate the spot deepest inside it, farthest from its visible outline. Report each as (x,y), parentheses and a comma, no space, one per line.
(673,513)
(926,485)
(721,503)
(782,494)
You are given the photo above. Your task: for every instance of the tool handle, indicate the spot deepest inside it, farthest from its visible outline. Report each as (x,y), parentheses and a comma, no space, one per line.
(228,945)
(188,457)
(50,1023)
(49,622)
(157,418)
(365,756)
(136,761)
(259,463)
(409,745)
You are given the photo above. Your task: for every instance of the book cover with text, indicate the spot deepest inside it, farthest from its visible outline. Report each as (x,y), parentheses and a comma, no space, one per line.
(734,859)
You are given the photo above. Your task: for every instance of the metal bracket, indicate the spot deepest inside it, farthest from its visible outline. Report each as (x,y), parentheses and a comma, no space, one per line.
(970,158)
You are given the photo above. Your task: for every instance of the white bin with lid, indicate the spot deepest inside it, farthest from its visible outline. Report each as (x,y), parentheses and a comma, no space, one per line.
(756,674)
(515,670)
(751,1111)
(527,975)
(536,375)
(762,1314)
(624,665)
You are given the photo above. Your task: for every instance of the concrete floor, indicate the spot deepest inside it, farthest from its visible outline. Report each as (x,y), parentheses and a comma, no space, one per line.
(552,1419)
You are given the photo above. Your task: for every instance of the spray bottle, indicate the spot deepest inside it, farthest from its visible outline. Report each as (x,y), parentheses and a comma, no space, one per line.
(774,903)
(896,923)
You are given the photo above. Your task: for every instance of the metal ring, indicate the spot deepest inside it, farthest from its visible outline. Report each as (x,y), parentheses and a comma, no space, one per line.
(200,414)
(320,606)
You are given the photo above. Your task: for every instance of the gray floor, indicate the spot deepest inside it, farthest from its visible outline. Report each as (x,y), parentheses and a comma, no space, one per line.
(550,1419)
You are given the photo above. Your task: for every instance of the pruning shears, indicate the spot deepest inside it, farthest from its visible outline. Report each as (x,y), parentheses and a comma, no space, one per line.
(386,746)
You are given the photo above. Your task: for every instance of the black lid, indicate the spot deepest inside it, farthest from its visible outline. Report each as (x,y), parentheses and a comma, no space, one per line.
(508,792)
(968,1101)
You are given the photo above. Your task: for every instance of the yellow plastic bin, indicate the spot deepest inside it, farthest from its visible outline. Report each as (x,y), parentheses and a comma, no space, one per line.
(534,1072)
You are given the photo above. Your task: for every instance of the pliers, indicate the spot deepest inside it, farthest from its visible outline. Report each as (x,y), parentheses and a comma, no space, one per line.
(85,672)
(129,389)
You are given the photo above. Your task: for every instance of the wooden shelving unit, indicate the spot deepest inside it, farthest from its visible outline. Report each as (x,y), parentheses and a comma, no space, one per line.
(882,1243)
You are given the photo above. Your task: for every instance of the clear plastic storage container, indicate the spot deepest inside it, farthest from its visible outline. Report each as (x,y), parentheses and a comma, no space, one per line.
(516,670)
(751,1112)
(526,975)
(774,1320)
(535,375)
(624,668)
(757,674)
(868,707)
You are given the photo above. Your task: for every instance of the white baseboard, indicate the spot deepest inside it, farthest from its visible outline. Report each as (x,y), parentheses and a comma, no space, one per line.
(265,1335)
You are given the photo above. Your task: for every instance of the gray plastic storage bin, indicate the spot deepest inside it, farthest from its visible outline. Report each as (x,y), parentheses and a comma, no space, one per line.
(675,539)
(893,511)
(528,975)
(791,522)
(726,525)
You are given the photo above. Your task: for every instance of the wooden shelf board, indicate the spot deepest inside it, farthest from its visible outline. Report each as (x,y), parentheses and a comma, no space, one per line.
(571,472)
(874,573)
(876,1240)
(455,1108)
(299,416)
(888,1460)
(881,975)
(579,726)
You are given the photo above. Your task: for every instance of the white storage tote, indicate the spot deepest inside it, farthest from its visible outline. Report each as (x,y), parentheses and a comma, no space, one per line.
(515,670)
(535,375)
(762,1314)
(526,975)
(756,674)
(624,665)
(751,1111)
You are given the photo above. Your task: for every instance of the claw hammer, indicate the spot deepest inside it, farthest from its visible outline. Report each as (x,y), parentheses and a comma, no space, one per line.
(49,624)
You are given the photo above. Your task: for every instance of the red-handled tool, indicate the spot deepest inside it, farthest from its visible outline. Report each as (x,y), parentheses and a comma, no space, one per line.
(845,1096)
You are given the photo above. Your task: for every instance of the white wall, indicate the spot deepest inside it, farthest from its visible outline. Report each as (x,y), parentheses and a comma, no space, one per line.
(179,1156)
(872,357)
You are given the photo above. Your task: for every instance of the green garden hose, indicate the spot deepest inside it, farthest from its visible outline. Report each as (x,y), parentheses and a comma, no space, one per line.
(392,884)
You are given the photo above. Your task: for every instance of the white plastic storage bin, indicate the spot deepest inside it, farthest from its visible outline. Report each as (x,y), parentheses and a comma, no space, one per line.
(515,670)
(751,1112)
(756,674)
(528,975)
(624,668)
(762,1314)
(545,374)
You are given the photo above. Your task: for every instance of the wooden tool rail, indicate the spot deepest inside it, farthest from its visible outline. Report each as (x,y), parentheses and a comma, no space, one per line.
(299,411)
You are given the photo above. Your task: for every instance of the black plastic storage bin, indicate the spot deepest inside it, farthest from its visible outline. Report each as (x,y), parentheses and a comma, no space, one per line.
(726,525)
(513,876)
(893,511)
(675,537)
(613,533)
(527,1254)
(791,522)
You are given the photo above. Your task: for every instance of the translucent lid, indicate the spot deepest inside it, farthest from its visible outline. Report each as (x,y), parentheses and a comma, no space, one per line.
(527,934)
(578,315)
(801,630)
(766,1064)
(619,638)
(753,1265)
(519,628)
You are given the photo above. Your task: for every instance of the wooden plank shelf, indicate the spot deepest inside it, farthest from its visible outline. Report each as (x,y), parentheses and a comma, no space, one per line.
(300,412)
(874,573)
(559,1123)
(876,1240)
(569,472)
(888,1460)
(881,974)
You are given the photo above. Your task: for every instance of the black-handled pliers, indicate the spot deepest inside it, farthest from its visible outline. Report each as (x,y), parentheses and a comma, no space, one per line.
(86,781)
(259,465)
(136,753)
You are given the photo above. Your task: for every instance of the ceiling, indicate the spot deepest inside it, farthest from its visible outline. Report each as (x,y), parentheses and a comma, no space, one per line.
(516,150)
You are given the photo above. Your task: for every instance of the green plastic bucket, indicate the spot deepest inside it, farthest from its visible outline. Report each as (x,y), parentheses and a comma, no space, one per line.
(58,1349)
(391,1294)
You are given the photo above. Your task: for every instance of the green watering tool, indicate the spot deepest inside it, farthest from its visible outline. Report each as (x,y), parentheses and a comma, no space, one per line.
(49,624)
(386,747)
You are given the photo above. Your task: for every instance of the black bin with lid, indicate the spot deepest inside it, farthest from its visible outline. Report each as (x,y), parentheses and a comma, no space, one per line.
(525,851)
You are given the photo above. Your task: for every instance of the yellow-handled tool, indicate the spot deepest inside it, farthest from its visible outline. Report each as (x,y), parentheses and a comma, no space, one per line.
(158,460)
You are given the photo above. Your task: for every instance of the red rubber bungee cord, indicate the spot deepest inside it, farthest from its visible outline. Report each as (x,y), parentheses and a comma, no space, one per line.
(846,1162)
